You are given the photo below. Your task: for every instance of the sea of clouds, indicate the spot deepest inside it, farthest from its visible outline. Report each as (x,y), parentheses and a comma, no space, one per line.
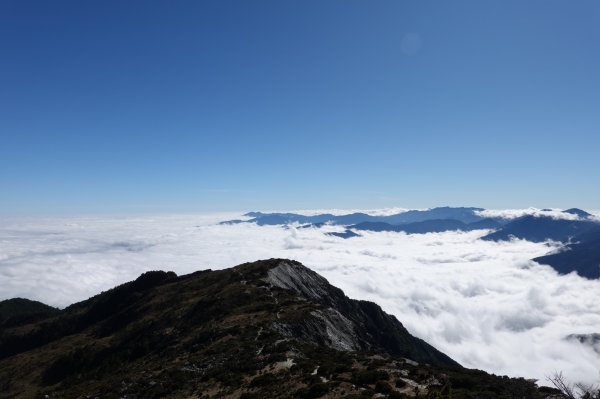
(483,303)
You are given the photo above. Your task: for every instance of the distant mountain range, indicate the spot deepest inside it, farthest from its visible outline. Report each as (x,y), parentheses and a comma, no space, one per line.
(539,229)
(578,229)
(464,215)
(412,222)
(581,253)
(581,256)
(268,329)
(533,228)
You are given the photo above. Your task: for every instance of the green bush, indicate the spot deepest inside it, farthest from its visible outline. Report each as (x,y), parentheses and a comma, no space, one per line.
(263,380)
(397,395)
(314,391)
(400,383)
(364,377)
(383,387)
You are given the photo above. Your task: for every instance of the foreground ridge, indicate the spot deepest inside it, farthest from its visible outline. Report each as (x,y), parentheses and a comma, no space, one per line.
(271,328)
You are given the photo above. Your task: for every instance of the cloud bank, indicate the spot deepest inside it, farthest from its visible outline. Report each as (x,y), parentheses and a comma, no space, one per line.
(483,303)
(517,213)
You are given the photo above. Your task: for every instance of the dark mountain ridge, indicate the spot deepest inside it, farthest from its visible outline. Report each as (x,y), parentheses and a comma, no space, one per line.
(580,236)
(543,228)
(271,328)
(579,212)
(17,311)
(581,256)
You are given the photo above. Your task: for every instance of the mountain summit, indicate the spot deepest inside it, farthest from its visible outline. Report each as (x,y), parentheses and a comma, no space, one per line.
(270,328)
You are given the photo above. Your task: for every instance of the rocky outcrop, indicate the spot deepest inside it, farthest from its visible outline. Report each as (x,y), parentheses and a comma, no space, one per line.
(347,324)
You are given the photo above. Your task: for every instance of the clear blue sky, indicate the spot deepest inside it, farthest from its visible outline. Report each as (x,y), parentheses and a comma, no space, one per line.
(126,106)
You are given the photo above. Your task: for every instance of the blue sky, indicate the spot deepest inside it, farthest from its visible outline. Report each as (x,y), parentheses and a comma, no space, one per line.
(156,106)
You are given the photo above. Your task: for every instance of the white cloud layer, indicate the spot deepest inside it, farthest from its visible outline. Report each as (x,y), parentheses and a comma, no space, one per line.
(517,213)
(483,303)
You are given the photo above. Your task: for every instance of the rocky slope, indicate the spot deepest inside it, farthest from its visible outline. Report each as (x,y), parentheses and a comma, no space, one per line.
(268,329)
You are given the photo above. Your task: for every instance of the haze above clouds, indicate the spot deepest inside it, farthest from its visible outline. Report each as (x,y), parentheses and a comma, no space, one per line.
(483,303)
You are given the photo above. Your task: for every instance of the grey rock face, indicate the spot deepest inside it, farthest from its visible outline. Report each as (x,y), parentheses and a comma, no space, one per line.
(299,279)
(343,323)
